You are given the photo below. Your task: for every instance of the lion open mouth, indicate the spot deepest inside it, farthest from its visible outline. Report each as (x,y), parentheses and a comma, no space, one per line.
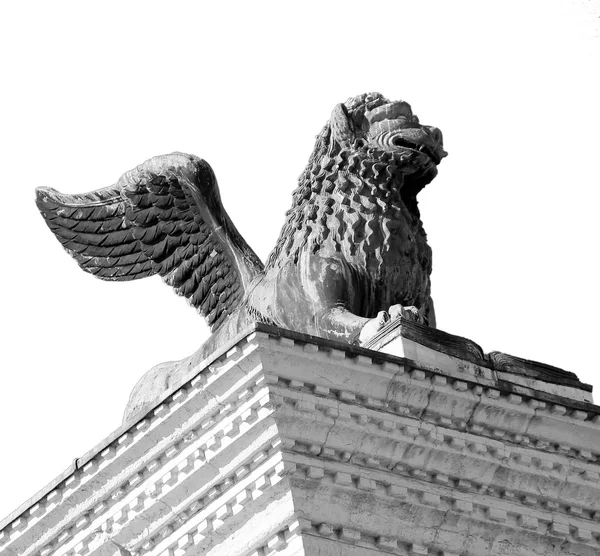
(399,141)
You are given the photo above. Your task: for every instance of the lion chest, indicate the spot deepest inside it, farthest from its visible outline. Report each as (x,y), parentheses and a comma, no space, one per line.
(392,264)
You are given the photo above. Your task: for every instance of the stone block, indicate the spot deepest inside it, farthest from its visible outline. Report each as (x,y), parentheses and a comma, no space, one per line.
(528,522)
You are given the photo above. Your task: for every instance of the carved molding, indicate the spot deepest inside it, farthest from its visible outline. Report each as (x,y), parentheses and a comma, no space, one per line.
(275,422)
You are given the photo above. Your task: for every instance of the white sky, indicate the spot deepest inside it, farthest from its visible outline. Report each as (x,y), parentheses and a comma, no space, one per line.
(90,90)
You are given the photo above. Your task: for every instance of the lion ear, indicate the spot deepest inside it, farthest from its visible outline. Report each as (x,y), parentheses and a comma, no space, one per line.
(341,125)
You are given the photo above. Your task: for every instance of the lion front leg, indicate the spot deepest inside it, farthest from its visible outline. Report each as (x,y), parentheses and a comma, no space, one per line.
(340,323)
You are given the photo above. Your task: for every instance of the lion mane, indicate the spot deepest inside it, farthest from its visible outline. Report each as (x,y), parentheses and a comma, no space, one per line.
(350,199)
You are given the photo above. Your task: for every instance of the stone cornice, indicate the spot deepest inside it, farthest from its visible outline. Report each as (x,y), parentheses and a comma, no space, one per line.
(271,418)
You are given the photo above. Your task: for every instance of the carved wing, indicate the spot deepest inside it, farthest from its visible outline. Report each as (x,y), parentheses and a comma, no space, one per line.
(164,217)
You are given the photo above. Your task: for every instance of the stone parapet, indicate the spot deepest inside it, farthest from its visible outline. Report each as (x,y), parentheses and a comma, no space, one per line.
(288,444)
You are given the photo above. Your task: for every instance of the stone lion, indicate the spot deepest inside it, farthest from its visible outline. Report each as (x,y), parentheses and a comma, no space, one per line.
(352,253)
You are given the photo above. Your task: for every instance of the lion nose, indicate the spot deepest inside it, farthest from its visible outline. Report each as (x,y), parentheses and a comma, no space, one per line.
(436,136)
(437,139)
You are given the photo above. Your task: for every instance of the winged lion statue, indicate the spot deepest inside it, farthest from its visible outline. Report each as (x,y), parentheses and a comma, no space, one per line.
(352,253)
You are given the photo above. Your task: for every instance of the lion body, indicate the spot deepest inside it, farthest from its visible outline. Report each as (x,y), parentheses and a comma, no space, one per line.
(349,225)
(352,244)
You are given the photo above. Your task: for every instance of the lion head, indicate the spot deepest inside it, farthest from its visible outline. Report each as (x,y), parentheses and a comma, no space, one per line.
(372,123)
(368,165)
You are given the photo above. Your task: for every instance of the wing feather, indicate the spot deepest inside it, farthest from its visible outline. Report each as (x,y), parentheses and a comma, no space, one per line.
(164,217)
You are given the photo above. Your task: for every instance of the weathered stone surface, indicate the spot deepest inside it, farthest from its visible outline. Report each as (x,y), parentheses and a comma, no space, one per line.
(289,444)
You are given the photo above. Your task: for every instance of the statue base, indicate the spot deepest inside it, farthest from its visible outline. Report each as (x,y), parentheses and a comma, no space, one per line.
(289,444)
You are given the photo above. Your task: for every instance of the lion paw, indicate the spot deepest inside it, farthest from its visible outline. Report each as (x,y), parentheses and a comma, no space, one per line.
(409,313)
(373,326)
